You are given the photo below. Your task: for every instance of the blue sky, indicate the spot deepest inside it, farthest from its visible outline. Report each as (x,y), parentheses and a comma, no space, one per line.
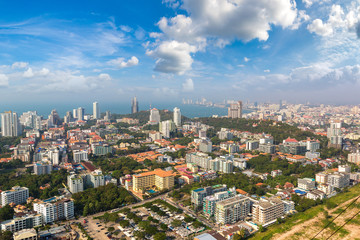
(109,51)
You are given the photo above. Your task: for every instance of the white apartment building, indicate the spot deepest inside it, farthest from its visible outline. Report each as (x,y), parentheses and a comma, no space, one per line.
(75,183)
(54,209)
(177,117)
(17,195)
(268,210)
(19,223)
(80,155)
(231,210)
(10,125)
(306,183)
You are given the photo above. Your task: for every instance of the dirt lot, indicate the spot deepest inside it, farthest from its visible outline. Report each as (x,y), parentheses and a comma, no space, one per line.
(308,229)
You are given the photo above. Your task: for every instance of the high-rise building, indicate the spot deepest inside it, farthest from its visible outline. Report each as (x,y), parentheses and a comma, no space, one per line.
(68,117)
(177,117)
(30,119)
(231,210)
(54,118)
(334,134)
(235,110)
(75,113)
(75,183)
(268,210)
(54,209)
(96,110)
(159,178)
(10,126)
(154,116)
(166,127)
(134,105)
(107,116)
(42,168)
(17,195)
(80,113)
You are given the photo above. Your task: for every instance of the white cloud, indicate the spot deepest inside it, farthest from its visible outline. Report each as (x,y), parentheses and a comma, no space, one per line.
(317,26)
(122,63)
(4,80)
(104,76)
(28,73)
(173,57)
(338,20)
(188,85)
(241,65)
(44,72)
(125,28)
(218,22)
(20,65)
(246,59)
(267,70)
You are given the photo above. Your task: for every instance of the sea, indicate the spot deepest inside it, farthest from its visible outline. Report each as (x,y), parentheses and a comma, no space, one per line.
(191,111)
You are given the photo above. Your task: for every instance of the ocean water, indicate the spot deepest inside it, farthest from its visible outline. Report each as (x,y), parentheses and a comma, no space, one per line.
(43,109)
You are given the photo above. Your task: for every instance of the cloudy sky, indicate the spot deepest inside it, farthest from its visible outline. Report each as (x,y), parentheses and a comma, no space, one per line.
(263,50)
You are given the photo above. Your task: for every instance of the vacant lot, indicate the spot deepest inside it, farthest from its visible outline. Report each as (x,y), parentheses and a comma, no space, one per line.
(305,225)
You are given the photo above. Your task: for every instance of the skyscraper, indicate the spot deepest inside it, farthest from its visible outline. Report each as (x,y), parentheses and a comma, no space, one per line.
(10,126)
(80,113)
(334,134)
(134,105)
(177,117)
(154,116)
(96,110)
(235,110)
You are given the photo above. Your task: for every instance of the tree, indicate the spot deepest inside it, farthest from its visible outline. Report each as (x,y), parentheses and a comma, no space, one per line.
(163,226)
(110,229)
(6,213)
(176,223)
(86,210)
(124,223)
(160,236)
(261,228)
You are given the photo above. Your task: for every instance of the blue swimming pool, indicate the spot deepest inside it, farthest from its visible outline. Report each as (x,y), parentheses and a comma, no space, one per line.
(151,191)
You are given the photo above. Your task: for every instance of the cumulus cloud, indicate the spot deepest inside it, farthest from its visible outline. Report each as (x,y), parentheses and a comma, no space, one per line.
(4,80)
(338,21)
(246,59)
(122,63)
(218,22)
(44,72)
(317,26)
(104,76)
(188,85)
(267,70)
(19,65)
(173,57)
(28,73)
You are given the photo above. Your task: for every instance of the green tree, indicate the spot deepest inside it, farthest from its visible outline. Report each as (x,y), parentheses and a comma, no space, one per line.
(6,213)
(160,236)
(176,223)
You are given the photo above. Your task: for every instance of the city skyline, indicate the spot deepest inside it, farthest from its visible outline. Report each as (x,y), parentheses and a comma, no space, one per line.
(299,51)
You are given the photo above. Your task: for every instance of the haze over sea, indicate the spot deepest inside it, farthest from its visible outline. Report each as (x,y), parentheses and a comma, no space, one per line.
(120,108)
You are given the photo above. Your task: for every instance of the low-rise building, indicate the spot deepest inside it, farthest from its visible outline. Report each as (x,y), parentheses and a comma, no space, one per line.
(22,222)
(315,194)
(26,234)
(306,183)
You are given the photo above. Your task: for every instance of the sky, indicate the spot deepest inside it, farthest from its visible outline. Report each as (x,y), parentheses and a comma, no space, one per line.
(164,51)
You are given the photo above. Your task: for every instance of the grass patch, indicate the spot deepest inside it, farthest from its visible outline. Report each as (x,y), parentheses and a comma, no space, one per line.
(301,217)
